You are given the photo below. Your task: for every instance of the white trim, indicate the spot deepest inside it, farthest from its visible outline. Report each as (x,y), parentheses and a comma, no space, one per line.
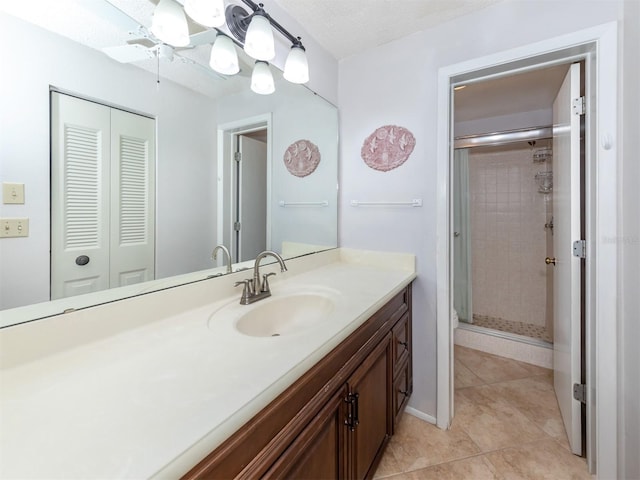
(227,131)
(421,415)
(601,207)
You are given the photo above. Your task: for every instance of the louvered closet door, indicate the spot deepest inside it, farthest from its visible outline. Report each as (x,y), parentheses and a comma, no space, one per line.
(80,205)
(133,198)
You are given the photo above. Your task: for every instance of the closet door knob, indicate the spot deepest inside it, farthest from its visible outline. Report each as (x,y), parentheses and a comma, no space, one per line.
(82,260)
(550,261)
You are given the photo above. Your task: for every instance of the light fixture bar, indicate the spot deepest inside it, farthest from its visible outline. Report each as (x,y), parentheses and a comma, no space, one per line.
(238,21)
(254,6)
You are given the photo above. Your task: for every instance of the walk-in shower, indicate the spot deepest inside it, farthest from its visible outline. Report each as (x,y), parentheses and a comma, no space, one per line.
(502,228)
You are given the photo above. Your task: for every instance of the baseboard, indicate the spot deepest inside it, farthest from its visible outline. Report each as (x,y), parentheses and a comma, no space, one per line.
(420,415)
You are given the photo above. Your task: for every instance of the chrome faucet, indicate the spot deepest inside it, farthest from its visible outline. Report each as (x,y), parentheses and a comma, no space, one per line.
(254,289)
(214,255)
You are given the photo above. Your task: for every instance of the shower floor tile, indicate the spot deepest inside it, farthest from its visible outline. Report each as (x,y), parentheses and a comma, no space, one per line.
(519,328)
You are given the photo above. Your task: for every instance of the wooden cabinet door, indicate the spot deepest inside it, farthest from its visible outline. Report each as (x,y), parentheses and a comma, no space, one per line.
(320,450)
(369,411)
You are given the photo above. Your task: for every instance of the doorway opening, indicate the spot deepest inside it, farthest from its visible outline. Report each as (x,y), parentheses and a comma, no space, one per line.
(244,175)
(597,47)
(506,278)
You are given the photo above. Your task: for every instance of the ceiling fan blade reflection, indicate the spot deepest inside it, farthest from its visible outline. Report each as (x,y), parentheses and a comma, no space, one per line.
(128,53)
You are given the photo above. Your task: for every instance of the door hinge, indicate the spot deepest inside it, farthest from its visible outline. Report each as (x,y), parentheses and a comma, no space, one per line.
(237,156)
(580,392)
(580,248)
(579,106)
(236,226)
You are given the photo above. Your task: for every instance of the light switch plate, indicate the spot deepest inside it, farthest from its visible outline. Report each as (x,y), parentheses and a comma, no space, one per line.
(14,227)
(12,193)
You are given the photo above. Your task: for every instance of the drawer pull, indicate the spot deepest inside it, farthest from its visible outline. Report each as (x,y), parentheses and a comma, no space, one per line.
(406,393)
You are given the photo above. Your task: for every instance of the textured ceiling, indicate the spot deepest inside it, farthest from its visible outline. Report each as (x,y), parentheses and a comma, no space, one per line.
(347,27)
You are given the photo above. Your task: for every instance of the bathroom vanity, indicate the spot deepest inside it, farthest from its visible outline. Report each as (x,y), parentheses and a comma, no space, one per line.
(188,383)
(335,420)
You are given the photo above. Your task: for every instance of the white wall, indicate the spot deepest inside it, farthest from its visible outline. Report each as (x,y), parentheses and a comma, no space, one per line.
(323,68)
(296,114)
(397,84)
(186,149)
(629,248)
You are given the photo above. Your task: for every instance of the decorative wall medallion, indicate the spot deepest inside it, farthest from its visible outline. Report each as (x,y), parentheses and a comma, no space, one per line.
(301,158)
(388,147)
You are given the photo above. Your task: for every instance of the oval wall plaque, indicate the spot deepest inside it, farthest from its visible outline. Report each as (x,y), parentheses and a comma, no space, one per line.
(301,158)
(388,147)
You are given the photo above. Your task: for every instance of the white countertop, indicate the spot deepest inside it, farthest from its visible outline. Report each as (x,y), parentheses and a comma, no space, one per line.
(153,400)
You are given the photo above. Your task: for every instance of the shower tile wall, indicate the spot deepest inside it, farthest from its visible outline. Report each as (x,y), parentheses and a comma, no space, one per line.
(508,237)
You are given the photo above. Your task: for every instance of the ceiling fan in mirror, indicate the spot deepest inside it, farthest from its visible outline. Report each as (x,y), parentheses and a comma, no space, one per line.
(189,24)
(143,45)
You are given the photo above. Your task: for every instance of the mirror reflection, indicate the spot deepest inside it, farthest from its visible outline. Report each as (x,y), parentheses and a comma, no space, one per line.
(211,163)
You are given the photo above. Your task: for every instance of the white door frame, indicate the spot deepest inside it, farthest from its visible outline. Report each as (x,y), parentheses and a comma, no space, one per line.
(598,46)
(226,145)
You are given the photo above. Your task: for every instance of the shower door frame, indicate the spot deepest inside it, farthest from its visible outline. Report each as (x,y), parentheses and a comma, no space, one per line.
(598,47)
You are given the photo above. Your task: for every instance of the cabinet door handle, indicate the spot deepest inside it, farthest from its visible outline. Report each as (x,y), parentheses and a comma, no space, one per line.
(352,412)
(356,419)
(404,344)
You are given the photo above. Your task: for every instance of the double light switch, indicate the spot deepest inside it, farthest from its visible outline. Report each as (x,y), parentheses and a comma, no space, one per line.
(13,193)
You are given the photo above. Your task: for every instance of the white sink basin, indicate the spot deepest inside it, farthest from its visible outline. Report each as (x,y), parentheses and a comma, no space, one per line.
(281,314)
(284,315)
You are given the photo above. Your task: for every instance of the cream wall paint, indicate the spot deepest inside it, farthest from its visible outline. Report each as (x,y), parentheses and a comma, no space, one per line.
(397,84)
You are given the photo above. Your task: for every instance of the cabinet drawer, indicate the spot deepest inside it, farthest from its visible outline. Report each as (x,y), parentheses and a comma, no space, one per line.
(402,388)
(401,341)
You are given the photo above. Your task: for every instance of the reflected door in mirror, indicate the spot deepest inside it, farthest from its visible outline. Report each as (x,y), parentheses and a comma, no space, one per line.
(251,205)
(103,197)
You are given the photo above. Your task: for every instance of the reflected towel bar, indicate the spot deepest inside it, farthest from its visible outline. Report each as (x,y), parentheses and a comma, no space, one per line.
(323,203)
(416,202)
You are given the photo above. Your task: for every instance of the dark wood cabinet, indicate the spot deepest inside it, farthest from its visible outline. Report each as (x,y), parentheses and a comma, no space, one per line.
(320,450)
(370,423)
(335,421)
(402,366)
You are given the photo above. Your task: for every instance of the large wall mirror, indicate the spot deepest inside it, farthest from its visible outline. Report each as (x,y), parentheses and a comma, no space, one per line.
(202,196)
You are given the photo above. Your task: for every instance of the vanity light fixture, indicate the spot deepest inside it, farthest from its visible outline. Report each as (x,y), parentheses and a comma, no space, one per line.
(262,79)
(169,24)
(224,58)
(252,30)
(296,68)
(209,13)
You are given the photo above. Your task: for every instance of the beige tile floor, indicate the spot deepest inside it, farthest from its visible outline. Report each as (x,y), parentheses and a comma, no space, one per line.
(507,425)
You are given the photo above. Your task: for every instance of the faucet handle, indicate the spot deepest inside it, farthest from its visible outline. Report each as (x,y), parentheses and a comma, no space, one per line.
(247,291)
(265,282)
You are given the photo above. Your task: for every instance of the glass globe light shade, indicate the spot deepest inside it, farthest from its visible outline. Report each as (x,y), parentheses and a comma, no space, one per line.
(259,39)
(224,58)
(262,79)
(296,67)
(169,24)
